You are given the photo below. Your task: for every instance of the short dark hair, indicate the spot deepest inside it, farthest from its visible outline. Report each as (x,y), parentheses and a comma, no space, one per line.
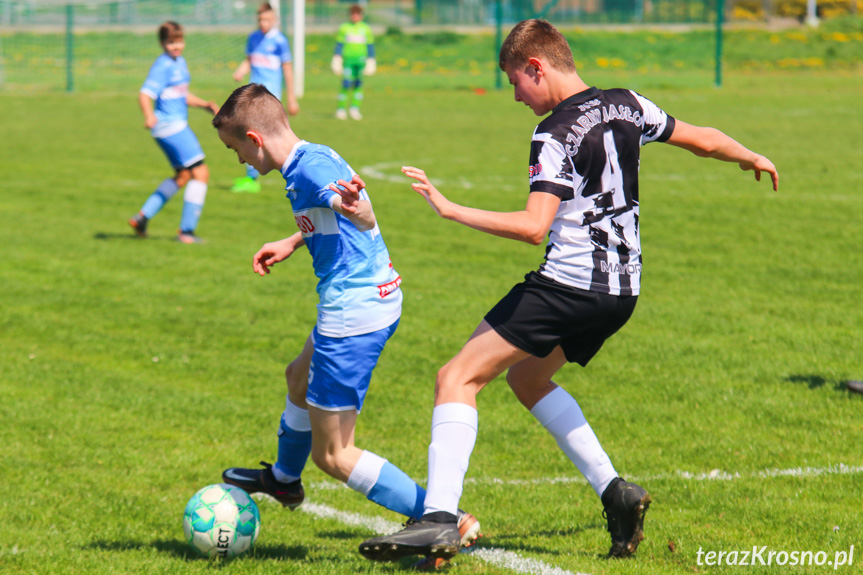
(356,9)
(170,32)
(251,107)
(265,7)
(536,39)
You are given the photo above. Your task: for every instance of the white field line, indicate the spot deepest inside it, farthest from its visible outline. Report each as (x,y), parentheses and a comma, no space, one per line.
(713,475)
(391,172)
(498,557)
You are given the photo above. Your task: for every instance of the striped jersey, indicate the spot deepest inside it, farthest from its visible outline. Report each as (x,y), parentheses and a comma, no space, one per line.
(587,152)
(358,287)
(167,84)
(267,53)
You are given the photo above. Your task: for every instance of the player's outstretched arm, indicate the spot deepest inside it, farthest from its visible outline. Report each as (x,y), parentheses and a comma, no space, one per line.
(243,69)
(193,100)
(349,204)
(274,252)
(530,225)
(712,143)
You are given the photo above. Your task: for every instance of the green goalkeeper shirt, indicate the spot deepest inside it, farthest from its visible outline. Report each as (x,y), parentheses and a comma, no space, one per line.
(355,39)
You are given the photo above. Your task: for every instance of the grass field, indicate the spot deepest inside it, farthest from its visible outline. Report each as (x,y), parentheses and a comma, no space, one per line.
(133,371)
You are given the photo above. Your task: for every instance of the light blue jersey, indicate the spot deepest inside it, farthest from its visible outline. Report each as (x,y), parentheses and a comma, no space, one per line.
(267,53)
(358,287)
(168,85)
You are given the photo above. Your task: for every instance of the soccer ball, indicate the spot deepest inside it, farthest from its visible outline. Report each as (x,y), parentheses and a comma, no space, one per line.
(221,521)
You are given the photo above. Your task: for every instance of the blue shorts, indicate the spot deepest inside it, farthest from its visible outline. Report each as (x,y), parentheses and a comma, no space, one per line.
(342,368)
(182,148)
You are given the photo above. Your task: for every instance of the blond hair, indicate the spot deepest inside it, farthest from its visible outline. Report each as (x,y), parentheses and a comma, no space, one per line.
(251,107)
(536,39)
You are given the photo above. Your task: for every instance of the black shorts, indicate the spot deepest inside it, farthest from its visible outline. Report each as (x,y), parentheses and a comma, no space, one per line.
(539,314)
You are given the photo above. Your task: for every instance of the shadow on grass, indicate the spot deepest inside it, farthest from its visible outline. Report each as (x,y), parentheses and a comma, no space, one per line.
(815,381)
(515,542)
(103,236)
(181,550)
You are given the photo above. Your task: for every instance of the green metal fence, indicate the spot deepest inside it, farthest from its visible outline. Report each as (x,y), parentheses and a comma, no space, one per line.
(98,44)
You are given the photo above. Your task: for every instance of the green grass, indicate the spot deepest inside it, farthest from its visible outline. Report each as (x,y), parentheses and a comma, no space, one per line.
(132,372)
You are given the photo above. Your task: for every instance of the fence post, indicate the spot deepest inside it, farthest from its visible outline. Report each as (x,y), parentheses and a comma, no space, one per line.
(70,48)
(498,40)
(720,16)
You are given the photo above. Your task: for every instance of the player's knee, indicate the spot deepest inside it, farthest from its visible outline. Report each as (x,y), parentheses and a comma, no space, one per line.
(182,177)
(201,173)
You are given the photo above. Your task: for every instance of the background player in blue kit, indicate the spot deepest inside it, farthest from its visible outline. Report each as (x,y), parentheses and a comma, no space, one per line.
(268,56)
(167,85)
(359,309)
(584,164)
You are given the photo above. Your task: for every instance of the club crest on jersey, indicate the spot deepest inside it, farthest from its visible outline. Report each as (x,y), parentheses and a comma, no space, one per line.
(389,287)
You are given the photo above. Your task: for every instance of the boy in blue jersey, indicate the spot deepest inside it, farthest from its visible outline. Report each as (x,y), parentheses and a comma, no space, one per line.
(167,85)
(359,309)
(268,56)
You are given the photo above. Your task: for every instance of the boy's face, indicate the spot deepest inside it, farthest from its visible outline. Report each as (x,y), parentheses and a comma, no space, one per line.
(529,87)
(266,21)
(174,48)
(356,17)
(247,149)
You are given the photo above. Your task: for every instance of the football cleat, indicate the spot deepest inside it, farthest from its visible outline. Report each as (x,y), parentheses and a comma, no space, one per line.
(341,114)
(355,113)
(246,185)
(468,528)
(437,541)
(624,507)
(854,386)
(188,238)
(139,224)
(290,495)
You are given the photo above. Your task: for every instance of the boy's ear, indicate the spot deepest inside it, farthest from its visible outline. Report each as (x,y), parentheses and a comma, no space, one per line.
(256,138)
(537,64)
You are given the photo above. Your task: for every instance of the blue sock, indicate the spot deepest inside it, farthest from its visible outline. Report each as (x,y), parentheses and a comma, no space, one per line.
(387,485)
(159,198)
(295,443)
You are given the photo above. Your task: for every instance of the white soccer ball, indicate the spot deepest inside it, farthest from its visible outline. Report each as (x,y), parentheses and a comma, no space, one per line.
(221,520)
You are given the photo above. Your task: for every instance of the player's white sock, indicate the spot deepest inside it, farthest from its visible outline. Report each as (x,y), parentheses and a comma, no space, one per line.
(193,204)
(387,485)
(453,436)
(560,414)
(295,443)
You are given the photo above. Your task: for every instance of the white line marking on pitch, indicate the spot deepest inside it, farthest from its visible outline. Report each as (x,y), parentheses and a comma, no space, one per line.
(499,557)
(713,475)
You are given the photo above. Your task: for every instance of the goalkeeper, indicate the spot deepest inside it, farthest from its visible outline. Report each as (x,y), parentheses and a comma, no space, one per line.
(354,56)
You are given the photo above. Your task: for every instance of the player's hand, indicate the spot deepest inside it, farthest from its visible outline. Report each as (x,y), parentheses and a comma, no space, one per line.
(239,75)
(762,164)
(350,193)
(272,253)
(150,120)
(425,188)
(337,65)
(371,67)
(293,106)
(213,107)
